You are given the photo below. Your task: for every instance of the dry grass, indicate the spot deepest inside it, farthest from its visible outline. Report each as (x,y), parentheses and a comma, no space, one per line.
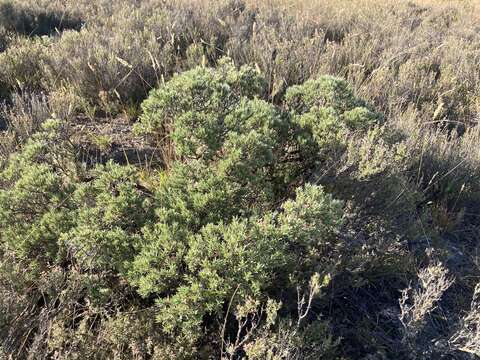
(395,54)
(413,177)
(416,304)
(467,337)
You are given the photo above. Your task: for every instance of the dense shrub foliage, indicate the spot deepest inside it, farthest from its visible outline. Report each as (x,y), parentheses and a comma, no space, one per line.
(229,180)
(231,220)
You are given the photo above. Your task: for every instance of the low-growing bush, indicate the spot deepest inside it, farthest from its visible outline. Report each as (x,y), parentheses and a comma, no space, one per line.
(230,220)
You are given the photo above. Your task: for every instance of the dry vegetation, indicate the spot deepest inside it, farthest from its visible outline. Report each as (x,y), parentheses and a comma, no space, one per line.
(237,179)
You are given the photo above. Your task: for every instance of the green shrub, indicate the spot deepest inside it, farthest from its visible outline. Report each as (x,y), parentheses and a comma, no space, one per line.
(328,115)
(193,107)
(109,210)
(35,197)
(218,127)
(224,223)
(327,91)
(218,233)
